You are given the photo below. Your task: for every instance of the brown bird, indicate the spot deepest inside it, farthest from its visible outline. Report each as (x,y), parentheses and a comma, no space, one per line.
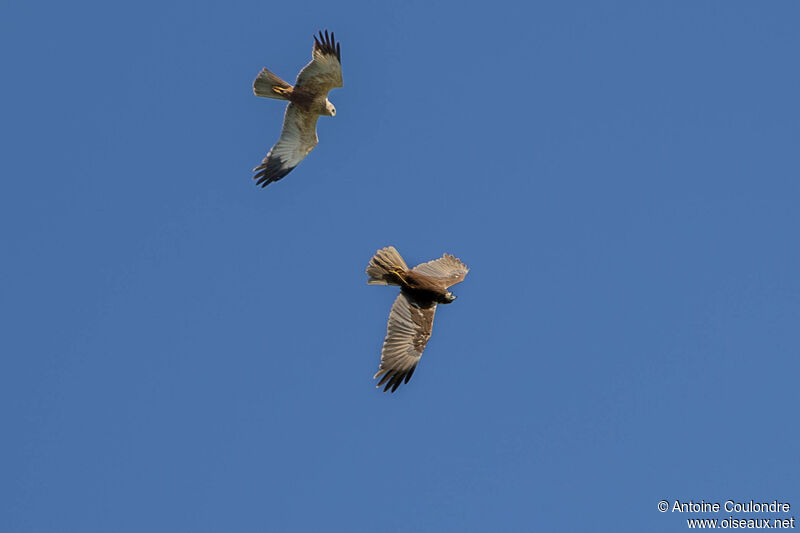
(308,99)
(411,317)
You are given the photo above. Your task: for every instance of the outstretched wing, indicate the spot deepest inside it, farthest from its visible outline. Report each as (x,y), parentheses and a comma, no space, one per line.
(298,138)
(325,70)
(447,267)
(406,336)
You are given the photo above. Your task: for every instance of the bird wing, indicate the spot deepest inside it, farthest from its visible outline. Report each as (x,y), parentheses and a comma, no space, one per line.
(407,334)
(324,72)
(447,267)
(298,138)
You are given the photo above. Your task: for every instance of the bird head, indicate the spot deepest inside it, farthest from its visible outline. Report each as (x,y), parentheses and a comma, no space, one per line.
(449,297)
(330,108)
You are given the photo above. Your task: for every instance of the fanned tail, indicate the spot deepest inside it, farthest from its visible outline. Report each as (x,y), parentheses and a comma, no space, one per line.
(382,265)
(269,85)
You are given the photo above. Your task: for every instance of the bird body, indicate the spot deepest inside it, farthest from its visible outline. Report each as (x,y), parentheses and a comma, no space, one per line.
(424,290)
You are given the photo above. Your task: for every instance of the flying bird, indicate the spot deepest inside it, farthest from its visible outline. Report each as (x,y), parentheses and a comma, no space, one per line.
(308,99)
(411,317)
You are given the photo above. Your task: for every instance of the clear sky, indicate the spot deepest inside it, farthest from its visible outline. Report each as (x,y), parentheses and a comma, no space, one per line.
(183,351)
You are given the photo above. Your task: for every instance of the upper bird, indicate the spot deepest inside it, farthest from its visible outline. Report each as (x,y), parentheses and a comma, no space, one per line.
(411,317)
(308,99)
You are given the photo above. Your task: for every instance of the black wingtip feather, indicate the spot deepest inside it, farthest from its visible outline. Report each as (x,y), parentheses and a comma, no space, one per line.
(393,380)
(384,379)
(326,44)
(270,172)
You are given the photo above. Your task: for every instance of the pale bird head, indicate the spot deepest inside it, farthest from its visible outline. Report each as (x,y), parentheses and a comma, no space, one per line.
(331,109)
(450,297)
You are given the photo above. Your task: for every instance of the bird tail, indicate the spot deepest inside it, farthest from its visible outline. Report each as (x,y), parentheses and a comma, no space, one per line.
(382,266)
(269,85)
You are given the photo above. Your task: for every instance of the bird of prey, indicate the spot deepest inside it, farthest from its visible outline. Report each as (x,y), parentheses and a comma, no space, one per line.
(308,99)
(411,317)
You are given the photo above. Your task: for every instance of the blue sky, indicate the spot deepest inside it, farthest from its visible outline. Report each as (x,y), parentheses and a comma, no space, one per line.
(183,351)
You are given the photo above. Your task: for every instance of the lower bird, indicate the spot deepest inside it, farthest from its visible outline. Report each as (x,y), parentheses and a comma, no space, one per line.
(411,317)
